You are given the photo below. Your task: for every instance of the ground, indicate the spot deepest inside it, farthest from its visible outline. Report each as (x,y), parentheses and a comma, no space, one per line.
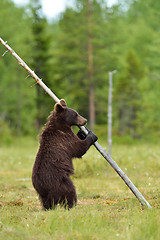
(106,208)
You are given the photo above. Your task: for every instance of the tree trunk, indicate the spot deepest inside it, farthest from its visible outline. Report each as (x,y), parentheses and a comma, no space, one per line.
(19,108)
(40,108)
(90,69)
(110,115)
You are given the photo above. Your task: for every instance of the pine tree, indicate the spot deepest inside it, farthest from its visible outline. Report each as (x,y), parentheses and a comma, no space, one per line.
(83,56)
(41,56)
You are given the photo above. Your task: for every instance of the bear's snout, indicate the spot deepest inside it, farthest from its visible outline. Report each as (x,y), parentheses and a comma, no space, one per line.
(81,121)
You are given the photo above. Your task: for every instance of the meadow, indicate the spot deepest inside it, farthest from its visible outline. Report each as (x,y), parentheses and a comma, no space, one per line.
(106,208)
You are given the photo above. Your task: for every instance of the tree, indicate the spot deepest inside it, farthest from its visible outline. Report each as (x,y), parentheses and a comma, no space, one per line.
(41,56)
(144,38)
(15,95)
(128,95)
(84,57)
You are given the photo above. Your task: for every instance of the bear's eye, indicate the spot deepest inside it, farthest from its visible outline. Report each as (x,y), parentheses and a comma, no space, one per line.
(75,114)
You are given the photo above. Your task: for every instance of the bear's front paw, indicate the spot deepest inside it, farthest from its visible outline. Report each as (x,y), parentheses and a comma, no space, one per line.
(81,135)
(93,136)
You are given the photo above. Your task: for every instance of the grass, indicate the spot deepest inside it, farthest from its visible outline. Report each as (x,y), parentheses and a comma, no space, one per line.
(107,209)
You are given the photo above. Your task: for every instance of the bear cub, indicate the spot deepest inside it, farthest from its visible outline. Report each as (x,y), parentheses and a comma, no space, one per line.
(53,164)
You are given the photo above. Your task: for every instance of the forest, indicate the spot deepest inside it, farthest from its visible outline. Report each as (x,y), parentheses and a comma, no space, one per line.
(73,54)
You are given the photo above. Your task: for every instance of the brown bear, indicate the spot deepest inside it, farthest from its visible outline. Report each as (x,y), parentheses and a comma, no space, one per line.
(53,164)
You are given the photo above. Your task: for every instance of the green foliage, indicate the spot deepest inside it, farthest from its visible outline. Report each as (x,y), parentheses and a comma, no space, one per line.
(5,133)
(73,45)
(17,99)
(124,37)
(128,95)
(41,56)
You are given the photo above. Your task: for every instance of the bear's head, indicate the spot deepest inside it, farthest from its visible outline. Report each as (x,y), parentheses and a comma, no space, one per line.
(67,115)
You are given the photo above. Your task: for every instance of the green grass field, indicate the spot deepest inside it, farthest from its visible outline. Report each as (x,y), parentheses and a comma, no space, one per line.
(106,207)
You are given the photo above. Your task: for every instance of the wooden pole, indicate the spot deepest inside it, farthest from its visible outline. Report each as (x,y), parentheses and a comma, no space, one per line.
(127,181)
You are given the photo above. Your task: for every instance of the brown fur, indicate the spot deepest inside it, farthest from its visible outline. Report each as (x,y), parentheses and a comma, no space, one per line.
(53,164)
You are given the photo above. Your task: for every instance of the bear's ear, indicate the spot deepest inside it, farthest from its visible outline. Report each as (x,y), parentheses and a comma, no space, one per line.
(63,103)
(59,108)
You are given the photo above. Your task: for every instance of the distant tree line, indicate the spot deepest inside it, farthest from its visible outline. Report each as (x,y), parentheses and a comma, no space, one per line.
(73,55)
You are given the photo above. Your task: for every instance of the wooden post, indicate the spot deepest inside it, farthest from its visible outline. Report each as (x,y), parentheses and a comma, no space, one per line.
(127,181)
(110,113)
(90,68)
